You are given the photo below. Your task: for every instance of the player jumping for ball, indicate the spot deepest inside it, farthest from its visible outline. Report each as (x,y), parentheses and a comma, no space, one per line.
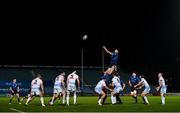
(114,57)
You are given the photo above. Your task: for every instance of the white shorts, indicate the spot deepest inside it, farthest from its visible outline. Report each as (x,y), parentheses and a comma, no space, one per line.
(98,90)
(117,90)
(163,89)
(147,90)
(133,92)
(58,90)
(35,91)
(71,88)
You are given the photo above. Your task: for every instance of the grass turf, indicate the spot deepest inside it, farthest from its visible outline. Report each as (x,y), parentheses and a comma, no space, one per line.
(89,104)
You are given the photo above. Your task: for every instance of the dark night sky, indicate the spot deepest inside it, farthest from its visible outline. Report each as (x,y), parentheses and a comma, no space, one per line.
(146,33)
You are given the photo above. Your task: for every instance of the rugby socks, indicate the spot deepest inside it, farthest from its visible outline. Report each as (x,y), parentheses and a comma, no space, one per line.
(99,101)
(112,99)
(10,100)
(104,99)
(42,101)
(143,100)
(18,99)
(28,100)
(146,100)
(67,99)
(135,98)
(163,99)
(75,98)
(118,99)
(64,96)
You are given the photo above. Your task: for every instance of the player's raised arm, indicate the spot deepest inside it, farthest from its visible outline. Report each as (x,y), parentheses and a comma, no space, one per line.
(107,50)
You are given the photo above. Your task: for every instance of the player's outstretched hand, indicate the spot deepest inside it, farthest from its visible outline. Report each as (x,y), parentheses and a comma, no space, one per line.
(103,47)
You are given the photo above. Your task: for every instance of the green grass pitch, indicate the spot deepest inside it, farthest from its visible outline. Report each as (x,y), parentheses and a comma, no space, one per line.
(89,104)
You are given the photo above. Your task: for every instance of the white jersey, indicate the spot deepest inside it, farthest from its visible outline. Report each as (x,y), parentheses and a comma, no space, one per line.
(72,79)
(36,83)
(100,84)
(161,81)
(58,81)
(116,81)
(75,76)
(145,83)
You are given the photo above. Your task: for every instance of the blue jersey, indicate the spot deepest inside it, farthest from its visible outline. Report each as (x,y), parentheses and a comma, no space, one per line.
(121,82)
(134,80)
(14,86)
(108,78)
(114,58)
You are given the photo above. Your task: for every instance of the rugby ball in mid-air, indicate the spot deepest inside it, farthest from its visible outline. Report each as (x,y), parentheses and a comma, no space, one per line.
(85,37)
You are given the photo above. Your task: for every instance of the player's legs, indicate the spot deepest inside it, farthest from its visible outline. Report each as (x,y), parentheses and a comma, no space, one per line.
(41,99)
(163,98)
(11,97)
(67,98)
(113,98)
(75,97)
(163,92)
(103,94)
(118,98)
(55,96)
(117,94)
(114,67)
(29,99)
(134,94)
(64,96)
(143,94)
(104,99)
(18,98)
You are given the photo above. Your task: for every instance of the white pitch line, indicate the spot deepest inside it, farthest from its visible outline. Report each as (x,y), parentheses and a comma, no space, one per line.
(13,109)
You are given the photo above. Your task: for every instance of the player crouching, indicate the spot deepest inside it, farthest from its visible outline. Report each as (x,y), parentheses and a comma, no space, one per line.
(99,89)
(144,83)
